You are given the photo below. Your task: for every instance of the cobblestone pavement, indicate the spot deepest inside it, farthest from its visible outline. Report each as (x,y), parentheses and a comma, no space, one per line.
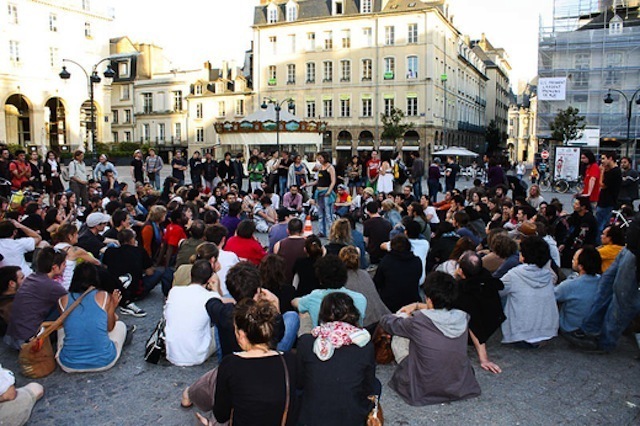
(552,385)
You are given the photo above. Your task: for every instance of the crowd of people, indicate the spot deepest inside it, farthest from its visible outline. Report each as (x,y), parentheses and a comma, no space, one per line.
(289,320)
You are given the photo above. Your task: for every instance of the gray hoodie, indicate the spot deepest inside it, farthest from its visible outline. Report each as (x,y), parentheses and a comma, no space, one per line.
(531,309)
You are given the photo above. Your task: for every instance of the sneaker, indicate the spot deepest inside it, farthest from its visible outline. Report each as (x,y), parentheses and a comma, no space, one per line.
(133,310)
(582,340)
(129,337)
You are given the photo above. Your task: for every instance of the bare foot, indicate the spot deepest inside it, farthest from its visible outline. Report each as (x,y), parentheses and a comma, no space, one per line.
(202,419)
(36,389)
(185,402)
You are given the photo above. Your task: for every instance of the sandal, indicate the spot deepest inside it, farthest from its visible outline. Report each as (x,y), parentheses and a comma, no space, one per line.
(185,402)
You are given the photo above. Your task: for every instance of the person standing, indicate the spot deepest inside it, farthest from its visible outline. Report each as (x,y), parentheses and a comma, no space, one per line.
(629,187)
(226,170)
(51,169)
(451,174)
(272,169)
(610,183)
(238,170)
(195,169)
(256,171)
(36,171)
(373,168)
(325,197)
(137,167)
(434,180)
(283,173)
(5,161)
(209,171)
(153,164)
(385,178)
(591,187)
(178,167)
(20,170)
(521,169)
(78,178)
(417,173)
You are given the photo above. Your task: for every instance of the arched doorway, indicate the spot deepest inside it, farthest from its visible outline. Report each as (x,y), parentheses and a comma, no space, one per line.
(343,147)
(17,112)
(56,123)
(411,144)
(85,123)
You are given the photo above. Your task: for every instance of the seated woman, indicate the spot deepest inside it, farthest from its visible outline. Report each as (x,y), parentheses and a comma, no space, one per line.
(189,335)
(339,236)
(398,275)
(65,238)
(360,281)
(204,251)
(244,244)
(391,212)
(92,338)
(451,265)
(336,366)
(437,368)
(264,214)
(304,273)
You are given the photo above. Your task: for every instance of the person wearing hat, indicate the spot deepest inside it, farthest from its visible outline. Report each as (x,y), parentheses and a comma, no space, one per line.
(343,201)
(137,167)
(16,404)
(91,238)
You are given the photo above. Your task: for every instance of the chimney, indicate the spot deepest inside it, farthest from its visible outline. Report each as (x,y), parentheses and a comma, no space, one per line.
(225,70)
(234,70)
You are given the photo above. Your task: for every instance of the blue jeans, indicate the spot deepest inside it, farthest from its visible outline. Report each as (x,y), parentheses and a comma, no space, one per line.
(282,186)
(603,216)
(342,211)
(160,275)
(417,188)
(434,186)
(325,214)
(156,182)
(291,321)
(616,303)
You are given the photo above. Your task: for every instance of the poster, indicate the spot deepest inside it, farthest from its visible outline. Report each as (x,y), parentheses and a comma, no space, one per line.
(567,163)
(590,137)
(552,89)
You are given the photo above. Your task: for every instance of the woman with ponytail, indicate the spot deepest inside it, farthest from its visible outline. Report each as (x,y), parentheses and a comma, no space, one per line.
(65,239)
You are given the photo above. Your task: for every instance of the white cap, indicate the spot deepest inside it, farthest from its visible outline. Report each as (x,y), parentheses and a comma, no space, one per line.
(95,219)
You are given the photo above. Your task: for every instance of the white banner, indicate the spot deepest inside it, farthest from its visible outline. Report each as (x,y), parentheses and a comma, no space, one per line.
(590,137)
(567,164)
(552,89)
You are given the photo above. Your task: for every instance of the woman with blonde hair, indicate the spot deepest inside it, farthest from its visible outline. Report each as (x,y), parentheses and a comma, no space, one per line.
(391,212)
(205,251)
(339,236)
(152,232)
(65,239)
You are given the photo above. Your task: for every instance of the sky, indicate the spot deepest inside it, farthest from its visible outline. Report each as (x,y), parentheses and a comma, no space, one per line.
(194,31)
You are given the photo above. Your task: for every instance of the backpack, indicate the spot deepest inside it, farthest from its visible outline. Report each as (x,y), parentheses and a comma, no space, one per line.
(156,348)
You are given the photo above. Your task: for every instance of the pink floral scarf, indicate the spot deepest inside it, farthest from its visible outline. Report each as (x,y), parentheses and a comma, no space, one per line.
(333,335)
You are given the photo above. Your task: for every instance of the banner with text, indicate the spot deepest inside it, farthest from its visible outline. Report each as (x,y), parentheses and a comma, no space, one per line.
(552,89)
(567,165)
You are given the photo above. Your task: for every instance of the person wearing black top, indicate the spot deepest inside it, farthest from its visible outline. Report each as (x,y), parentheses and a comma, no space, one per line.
(225,169)
(238,171)
(178,167)
(610,184)
(583,229)
(304,275)
(137,167)
(376,231)
(195,169)
(283,173)
(209,170)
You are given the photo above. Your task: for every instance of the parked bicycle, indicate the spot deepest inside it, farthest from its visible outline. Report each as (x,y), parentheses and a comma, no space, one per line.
(563,185)
(545,184)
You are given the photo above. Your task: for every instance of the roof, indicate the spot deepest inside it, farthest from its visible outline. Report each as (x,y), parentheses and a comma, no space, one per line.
(630,18)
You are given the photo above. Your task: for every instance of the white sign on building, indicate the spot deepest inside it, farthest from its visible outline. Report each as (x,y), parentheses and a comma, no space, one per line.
(590,138)
(552,89)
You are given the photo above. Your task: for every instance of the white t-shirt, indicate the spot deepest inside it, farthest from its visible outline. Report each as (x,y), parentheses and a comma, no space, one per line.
(14,250)
(188,329)
(420,248)
(227,259)
(275,201)
(430,210)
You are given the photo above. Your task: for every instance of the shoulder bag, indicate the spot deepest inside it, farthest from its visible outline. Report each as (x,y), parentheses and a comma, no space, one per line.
(375,417)
(36,356)
(155,347)
(382,345)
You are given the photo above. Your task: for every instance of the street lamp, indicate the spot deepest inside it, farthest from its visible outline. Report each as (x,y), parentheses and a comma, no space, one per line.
(92,79)
(278,107)
(609,100)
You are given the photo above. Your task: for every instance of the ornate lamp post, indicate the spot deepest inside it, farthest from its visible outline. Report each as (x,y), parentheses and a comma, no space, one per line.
(278,107)
(609,100)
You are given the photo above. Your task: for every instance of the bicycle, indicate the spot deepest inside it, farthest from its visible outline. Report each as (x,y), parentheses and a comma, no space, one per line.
(563,185)
(545,184)
(618,218)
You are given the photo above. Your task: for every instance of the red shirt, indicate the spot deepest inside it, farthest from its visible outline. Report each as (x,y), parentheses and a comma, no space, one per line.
(246,249)
(21,168)
(373,166)
(592,171)
(174,234)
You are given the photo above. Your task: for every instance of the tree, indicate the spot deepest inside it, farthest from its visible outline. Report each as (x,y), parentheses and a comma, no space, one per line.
(392,124)
(494,137)
(567,125)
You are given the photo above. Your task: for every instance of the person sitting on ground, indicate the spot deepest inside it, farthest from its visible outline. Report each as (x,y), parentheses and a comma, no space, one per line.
(293,200)
(450,266)
(613,240)
(264,215)
(291,248)
(189,335)
(188,247)
(398,276)
(232,219)
(360,281)
(419,246)
(244,244)
(576,294)
(11,278)
(90,237)
(478,296)
(583,230)
(91,338)
(442,245)
(501,248)
(205,251)
(173,234)
(535,197)
(13,249)
(16,404)
(332,276)
(272,275)
(339,236)
(391,212)
(65,239)
(336,366)
(217,234)
(36,298)
(152,233)
(376,231)
(416,212)
(461,222)
(304,272)
(343,201)
(436,368)
(278,232)
(530,305)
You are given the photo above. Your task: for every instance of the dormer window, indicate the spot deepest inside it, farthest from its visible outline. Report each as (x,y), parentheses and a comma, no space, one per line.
(615,25)
(338,7)
(292,11)
(366,6)
(272,13)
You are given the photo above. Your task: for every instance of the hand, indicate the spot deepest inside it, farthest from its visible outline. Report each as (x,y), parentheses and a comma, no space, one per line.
(490,366)
(264,294)
(214,283)
(114,300)
(409,309)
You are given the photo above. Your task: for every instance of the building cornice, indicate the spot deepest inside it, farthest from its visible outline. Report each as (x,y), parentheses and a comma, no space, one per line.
(74,9)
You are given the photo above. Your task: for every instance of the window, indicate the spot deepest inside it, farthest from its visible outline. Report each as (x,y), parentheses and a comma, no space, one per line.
(345,107)
(147,103)
(53,57)
(389,68)
(127,136)
(14,51)
(291,74)
(146,133)
(114,136)
(124,92)
(178,131)
(161,131)
(53,22)
(292,12)
(272,75)
(114,115)
(412,106)
(327,108)
(412,33)
(86,5)
(199,110)
(389,35)
(200,134)
(367,110)
(273,41)
(327,74)
(328,40)
(345,70)
(367,69)
(123,69)
(367,35)
(615,25)
(338,7)
(239,106)
(222,109)
(292,42)
(311,109)
(311,72)
(177,100)
(412,67)
(87,29)
(198,89)
(582,60)
(311,41)
(346,39)
(127,116)
(272,14)
(13,13)
(388,106)
(613,74)
(366,6)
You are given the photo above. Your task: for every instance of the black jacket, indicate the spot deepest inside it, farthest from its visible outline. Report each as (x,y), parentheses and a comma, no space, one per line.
(397,279)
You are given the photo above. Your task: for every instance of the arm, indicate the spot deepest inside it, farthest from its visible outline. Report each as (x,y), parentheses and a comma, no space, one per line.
(483,357)
(397,325)
(113,301)
(28,231)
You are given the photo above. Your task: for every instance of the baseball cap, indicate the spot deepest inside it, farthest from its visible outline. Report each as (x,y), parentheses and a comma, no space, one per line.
(95,219)
(342,186)
(369,191)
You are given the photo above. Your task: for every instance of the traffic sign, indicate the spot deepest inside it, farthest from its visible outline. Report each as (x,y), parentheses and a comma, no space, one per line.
(544,155)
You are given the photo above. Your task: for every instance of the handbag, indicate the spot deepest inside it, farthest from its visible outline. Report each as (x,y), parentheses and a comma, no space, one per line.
(36,356)
(156,348)
(382,346)
(375,416)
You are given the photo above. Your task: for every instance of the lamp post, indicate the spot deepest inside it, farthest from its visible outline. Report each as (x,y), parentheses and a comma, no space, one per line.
(609,100)
(92,79)
(278,107)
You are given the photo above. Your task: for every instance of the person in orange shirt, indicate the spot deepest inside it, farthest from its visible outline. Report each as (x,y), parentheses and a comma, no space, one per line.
(613,241)
(20,170)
